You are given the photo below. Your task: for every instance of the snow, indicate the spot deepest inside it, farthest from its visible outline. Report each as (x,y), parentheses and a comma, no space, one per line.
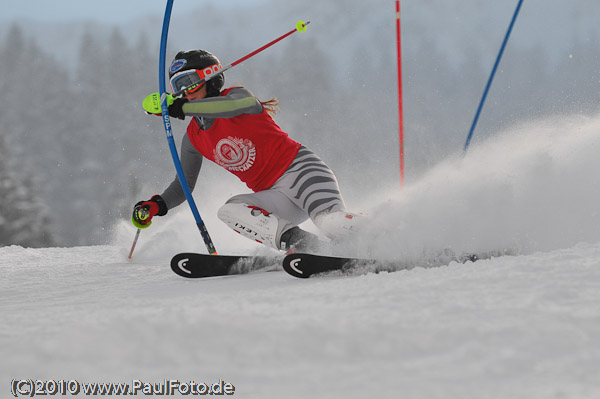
(522,326)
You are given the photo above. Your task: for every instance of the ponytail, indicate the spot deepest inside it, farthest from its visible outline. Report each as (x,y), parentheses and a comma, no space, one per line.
(272,106)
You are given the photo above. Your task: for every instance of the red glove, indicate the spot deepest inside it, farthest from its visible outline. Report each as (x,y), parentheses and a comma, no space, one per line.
(144,211)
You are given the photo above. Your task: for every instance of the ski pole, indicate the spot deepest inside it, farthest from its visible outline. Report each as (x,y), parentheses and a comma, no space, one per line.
(137,235)
(300,27)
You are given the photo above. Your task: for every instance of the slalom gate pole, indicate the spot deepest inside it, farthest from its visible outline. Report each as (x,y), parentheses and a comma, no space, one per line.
(300,27)
(167,122)
(400,112)
(489,83)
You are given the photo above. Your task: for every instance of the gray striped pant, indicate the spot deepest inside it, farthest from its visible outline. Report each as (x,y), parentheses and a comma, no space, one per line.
(307,189)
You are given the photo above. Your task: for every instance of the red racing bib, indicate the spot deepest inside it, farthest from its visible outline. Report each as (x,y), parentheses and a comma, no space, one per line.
(251,146)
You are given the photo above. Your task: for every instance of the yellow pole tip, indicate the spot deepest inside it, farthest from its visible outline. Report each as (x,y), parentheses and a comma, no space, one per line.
(301,26)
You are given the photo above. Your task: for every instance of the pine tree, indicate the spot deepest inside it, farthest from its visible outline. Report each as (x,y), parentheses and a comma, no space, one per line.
(24,220)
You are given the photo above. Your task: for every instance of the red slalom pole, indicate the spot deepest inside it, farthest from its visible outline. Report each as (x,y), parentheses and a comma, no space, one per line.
(300,27)
(400,116)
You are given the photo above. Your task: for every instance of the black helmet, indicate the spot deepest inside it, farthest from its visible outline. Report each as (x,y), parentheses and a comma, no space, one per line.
(200,60)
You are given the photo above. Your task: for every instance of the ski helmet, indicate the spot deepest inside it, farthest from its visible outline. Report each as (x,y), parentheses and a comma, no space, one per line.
(204,62)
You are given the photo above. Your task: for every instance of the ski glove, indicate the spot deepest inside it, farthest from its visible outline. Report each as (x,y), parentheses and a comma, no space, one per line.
(176,109)
(144,211)
(151,105)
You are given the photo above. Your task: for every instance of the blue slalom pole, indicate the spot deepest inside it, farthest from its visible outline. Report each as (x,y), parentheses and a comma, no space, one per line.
(167,122)
(489,83)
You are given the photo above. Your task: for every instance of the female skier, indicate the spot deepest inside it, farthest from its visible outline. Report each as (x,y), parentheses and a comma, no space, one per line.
(235,130)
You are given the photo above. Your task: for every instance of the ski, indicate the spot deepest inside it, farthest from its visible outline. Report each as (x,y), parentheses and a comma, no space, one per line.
(300,265)
(194,265)
(303,265)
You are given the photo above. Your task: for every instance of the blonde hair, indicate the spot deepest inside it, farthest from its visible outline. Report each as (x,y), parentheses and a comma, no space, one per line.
(272,106)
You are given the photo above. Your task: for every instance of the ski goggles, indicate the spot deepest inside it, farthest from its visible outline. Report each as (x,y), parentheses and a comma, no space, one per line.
(191,80)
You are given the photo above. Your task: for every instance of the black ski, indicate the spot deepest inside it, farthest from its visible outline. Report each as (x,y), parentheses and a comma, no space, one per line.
(303,265)
(193,265)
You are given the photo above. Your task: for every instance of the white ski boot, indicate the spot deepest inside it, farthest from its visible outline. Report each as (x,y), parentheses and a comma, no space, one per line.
(339,225)
(263,227)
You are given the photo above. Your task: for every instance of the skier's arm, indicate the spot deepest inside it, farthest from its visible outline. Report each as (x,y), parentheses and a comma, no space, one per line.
(237,102)
(191,161)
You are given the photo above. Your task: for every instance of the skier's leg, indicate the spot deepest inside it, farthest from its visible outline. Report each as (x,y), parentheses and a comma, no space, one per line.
(311,185)
(267,217)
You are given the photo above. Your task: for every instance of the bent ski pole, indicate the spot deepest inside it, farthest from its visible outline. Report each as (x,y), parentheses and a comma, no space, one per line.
(300,27)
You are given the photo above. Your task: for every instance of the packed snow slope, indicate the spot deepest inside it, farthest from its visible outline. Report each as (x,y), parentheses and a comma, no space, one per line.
(523,326)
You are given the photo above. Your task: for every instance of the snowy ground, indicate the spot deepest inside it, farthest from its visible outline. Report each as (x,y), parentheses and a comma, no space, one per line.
(512,327)
(522,326)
